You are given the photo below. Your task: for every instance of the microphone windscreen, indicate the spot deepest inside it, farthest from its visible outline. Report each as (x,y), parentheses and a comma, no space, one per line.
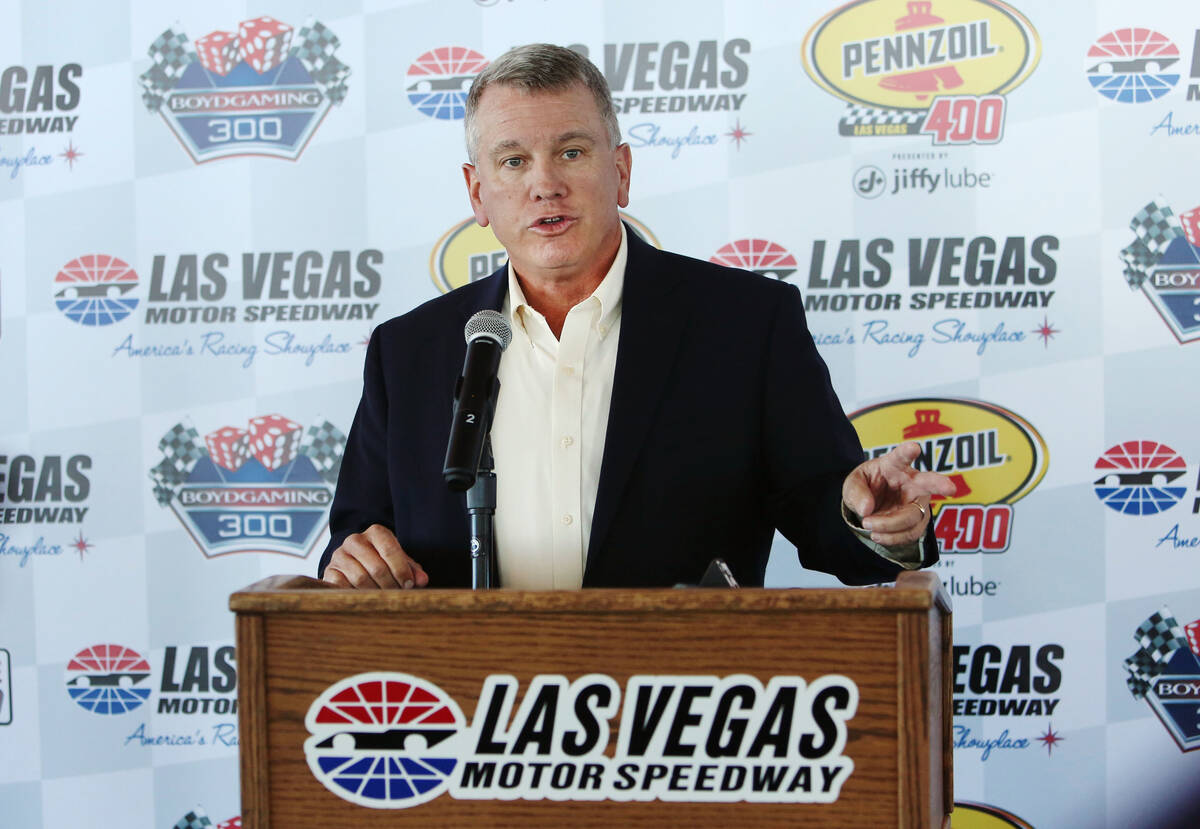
(491,324)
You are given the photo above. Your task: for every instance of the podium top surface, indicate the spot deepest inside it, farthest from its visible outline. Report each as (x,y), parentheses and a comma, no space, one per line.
(913,591)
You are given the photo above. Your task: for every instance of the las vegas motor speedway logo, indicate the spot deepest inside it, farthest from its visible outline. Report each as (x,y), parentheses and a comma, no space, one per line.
(1138,477)
(1165,672)
(1164,262)
(762,256)
(993,455)
(255,91)
(107,679)
(942,68)
(262,489)
(93,289)
(440,79)
(393,740)
(1128,65)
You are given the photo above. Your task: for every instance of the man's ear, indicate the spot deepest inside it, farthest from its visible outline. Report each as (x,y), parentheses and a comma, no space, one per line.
(471,176)
(624,171)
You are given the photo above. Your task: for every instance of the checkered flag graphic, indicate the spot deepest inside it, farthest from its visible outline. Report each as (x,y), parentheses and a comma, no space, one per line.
(1158,637)
(195,819)
(870,116)
(324,444)
(182,448)
(315,50)
(171,57)
(166,478)
(1156,227)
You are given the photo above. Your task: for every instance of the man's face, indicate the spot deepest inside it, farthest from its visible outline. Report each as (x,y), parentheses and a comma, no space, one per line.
(548,182)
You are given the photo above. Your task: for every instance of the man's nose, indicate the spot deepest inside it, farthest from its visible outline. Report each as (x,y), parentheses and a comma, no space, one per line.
(547,182)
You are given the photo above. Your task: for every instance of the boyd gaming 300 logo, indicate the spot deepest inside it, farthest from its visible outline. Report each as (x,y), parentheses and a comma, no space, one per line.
(1165,672)
(1138,476)
(1128,65)
(993,455)
(1164,261)
(105,679)
(438,81)
(940,68)
(93,289)
(379,739)
(262,489)
(260,90)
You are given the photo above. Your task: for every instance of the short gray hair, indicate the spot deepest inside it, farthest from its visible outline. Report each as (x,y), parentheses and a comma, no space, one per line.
(541,67)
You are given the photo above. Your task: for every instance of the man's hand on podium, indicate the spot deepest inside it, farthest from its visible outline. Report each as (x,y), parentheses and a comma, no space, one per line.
(372,560)
(891,497)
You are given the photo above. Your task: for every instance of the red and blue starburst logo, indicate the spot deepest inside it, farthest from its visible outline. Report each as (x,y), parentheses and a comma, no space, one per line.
(1129,65)
(104,679)
(1137,477)
(383,740)
(759,255)
(94,289)
(440,79)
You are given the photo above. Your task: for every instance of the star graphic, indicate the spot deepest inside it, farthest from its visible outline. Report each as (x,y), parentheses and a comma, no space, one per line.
(71,154)
(81,545)
(739,134)
(1045,331)
(1051,738)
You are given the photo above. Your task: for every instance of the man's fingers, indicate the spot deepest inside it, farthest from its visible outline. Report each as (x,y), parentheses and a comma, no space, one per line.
(335,577)
(900,519)
(403,570)
(856,492)
(930,483)
(353,570)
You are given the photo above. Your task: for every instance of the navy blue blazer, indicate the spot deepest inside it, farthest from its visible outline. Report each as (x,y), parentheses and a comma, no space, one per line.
(723,427)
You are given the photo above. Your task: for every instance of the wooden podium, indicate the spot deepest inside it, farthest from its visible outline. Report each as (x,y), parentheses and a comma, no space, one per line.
(297,638)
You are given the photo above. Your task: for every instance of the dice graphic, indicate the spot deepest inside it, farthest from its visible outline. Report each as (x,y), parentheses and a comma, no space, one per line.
(228,447)
(274,440)
(219,52)
(1193,637)
(265,42)
(1191,225)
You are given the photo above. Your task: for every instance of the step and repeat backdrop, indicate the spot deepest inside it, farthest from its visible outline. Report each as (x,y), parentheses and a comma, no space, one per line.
(992,210)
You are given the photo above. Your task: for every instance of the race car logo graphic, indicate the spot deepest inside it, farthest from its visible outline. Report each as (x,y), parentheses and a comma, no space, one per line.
(93,289)
(383,740)
(759,255)
(1164,262)
(934,67)
(440,79)
(1136,477)
(104,679)
(468,252)
(1129,65)
(262,489)
(993,456)
(260,90)
(1165,672)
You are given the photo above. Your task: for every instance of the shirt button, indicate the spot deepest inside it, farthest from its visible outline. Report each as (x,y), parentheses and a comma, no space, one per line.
(567,441)
(567,518)
(568,369)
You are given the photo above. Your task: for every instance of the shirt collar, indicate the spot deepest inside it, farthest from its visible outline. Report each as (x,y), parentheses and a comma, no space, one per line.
(607,294)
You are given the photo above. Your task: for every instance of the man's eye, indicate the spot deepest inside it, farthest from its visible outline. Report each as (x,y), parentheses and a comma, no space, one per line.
(511,162)
(572,153)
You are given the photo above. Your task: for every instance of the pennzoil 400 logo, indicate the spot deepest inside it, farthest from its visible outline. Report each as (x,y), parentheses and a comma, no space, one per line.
(468,252)
(930,67)
(259,90)
(262,489)
(994,457)
(393,740)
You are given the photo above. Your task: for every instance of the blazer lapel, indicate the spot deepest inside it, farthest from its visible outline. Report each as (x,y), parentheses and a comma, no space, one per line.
(651,329)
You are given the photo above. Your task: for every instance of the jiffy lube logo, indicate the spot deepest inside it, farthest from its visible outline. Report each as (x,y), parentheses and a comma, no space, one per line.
(262,488)
(261,88)
(392,740)
(935,67)
(468,252)
(1163,260)
(994,457)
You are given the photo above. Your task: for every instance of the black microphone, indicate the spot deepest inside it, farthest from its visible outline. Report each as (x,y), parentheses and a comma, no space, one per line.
(488,334)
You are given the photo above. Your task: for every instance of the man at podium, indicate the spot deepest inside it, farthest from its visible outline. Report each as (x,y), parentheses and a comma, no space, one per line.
(655,411)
